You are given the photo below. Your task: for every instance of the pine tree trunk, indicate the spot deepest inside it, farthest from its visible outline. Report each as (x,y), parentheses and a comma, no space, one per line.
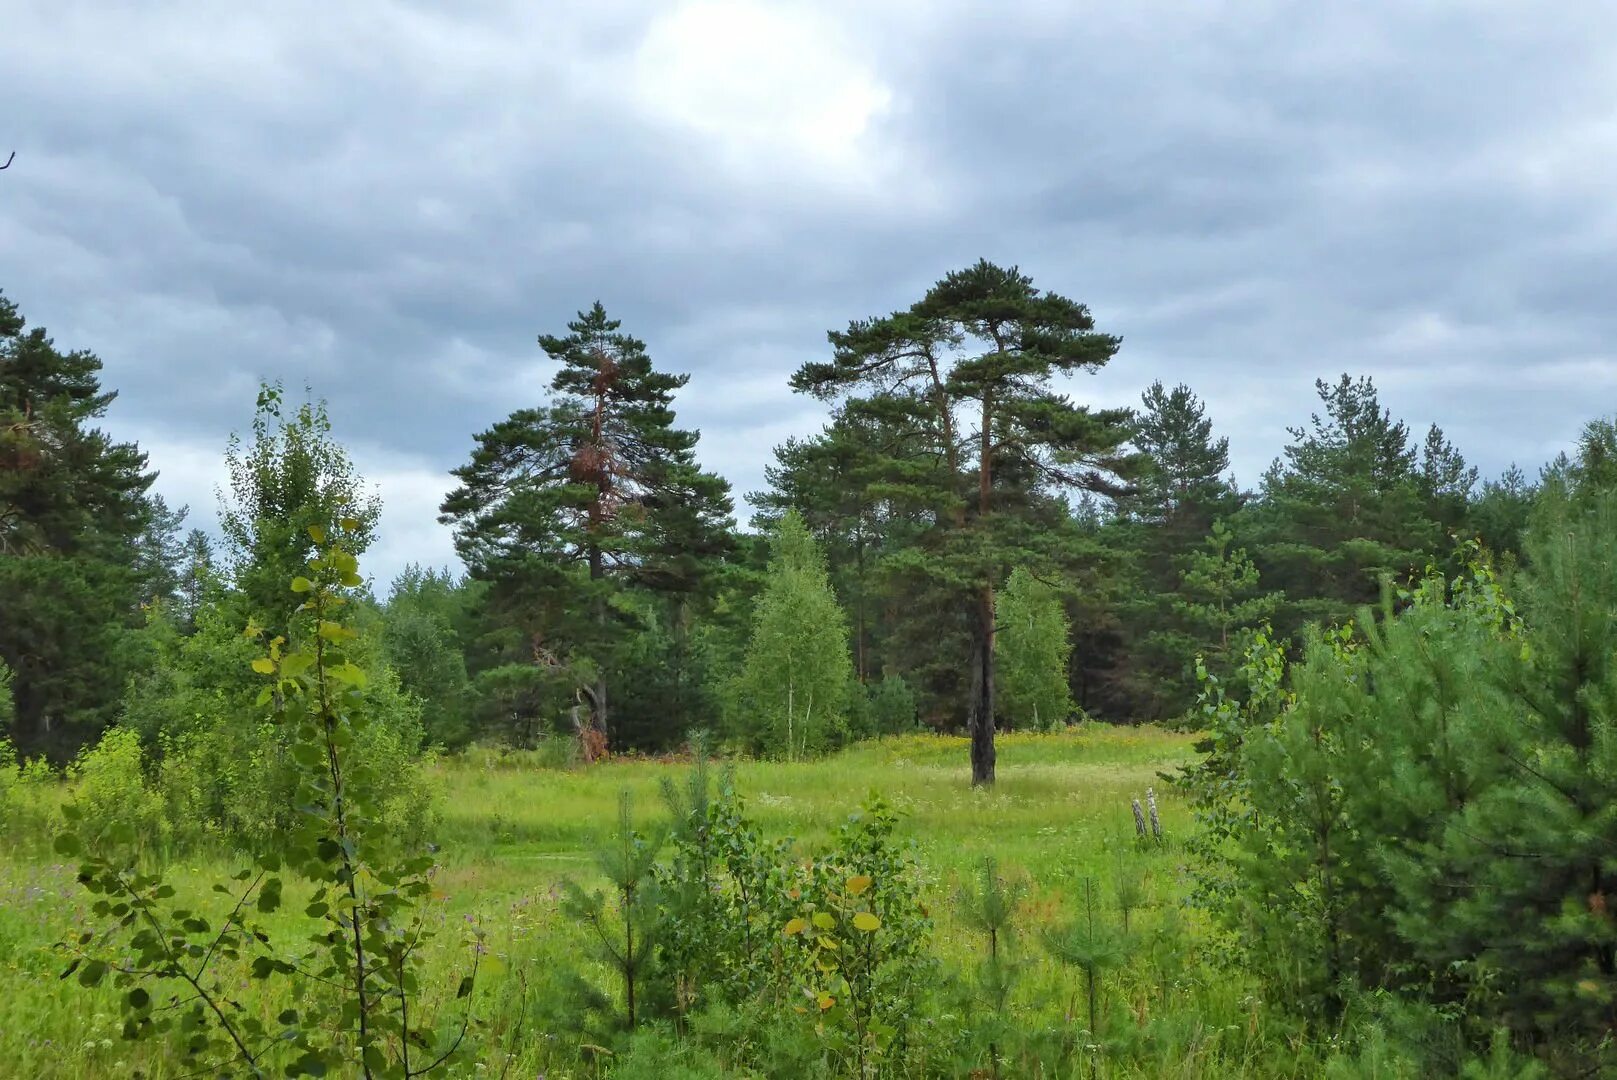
(597,563)
(980,719)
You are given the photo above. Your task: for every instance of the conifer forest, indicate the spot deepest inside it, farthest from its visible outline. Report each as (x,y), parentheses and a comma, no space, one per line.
(1000,735)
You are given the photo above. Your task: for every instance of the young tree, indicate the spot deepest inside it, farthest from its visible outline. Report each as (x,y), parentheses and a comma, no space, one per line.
(1218,594)
(792,695)
(981,349)
(834,481)
(1034,647)
(562,506)
(291,485)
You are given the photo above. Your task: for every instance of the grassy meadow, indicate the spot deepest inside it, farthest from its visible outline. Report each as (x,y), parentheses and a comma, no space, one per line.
(512,827)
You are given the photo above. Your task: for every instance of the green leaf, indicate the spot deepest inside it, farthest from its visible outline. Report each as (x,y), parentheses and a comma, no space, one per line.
(264,666)
(465,988)
(349,524)
(138,998)
(301,584)
(67,844)
(92,973)
(867,922)
(350,673)
(317,534)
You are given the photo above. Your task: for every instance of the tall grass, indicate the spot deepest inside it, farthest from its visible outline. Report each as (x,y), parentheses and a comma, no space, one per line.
(513,826)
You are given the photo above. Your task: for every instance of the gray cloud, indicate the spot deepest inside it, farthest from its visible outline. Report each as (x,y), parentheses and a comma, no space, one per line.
(389,201)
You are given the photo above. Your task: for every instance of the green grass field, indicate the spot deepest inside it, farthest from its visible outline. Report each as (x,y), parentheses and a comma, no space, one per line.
(510,829)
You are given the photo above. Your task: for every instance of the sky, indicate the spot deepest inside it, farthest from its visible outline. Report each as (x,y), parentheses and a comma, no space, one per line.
(388,202)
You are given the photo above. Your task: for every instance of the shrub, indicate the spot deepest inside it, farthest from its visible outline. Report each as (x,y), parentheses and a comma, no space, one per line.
(111,794)
(26,806)
(347,991)
(1422,805)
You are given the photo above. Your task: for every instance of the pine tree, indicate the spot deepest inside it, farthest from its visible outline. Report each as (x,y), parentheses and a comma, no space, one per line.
(1218,594)
(197,577)
(1182,491)
(792,696)
(1445,479)
(1182,488)
(74,520)
(564,505)
(1033,652)
(1344,506)
(981,348)
(1500,514)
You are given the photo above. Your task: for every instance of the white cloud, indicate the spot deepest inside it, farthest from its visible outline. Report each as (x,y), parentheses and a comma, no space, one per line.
(773,87)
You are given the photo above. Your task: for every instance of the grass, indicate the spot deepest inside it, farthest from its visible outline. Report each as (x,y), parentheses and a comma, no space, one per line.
(1060,813)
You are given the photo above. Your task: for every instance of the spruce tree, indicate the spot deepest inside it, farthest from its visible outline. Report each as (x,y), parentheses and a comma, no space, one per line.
(792,695)
(968,370)
(564,505)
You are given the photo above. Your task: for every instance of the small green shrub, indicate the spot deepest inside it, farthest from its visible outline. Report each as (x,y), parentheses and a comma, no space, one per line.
(351,991)
(27,808)
(110,791)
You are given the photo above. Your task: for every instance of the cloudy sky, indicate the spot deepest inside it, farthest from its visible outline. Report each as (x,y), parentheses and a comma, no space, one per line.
(389,201)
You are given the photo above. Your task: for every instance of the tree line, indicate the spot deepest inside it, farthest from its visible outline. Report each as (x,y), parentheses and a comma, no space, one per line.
(964,546)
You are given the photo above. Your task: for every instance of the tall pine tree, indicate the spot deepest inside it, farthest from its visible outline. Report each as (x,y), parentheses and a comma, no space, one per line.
(76,539)
(1344,506)
(969,368)
(564,505)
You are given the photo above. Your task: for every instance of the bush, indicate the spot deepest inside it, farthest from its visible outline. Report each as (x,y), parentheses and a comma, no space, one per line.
(347,984)
(225,770)
(112,795)
(1421,806)
(26,806)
